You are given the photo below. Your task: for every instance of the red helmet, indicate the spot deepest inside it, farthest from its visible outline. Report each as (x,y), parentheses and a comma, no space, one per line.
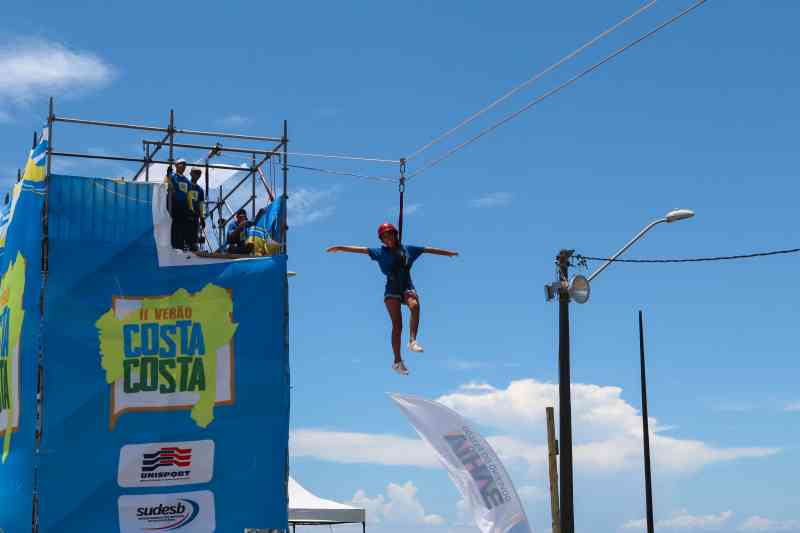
(385,227)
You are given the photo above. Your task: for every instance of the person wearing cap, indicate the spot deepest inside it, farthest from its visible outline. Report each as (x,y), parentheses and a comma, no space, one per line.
(196,207)
(236,237)
(395,261)
(178,187)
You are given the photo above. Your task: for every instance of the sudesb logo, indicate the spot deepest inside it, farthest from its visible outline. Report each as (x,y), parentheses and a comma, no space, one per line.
(169,517)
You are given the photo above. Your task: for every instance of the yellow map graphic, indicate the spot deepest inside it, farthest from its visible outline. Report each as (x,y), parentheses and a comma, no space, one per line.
(211,312)
(12,288)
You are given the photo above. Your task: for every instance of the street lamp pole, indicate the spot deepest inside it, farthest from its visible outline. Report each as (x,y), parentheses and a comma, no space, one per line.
(564,401)
(648,483)
(579,291)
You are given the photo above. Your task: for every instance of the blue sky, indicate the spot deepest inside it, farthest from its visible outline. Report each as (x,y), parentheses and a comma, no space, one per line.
(702,116)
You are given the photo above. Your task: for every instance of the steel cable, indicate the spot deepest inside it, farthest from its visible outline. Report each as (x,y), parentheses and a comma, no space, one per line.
(557,89)
(346,157)
(533,79)
(345,173)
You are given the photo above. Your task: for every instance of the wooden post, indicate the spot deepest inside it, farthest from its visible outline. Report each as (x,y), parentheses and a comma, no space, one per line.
(552,452)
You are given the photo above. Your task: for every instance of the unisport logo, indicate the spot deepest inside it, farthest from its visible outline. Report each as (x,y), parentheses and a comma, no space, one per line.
(171,459)
(166,464)
(167,457)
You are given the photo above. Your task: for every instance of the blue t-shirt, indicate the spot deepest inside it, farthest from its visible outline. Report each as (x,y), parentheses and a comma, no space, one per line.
(233,225)
(180,189)
(195,198)
(395,261)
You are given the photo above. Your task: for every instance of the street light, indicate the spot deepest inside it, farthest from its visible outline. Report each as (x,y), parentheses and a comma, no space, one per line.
(579,291)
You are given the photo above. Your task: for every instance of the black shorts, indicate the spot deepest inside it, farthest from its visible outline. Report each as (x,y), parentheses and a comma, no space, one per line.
(400,290)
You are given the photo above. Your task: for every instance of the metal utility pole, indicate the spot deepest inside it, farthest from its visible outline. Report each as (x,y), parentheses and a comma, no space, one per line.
(646,433)
(579,290)
(564,401)
(552,452)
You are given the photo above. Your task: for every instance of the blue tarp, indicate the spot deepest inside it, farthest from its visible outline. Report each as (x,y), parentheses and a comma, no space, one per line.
(166,388)
(20,267)
(265,233)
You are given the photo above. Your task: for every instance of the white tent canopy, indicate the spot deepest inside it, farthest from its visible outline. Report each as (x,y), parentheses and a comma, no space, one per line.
(306,508)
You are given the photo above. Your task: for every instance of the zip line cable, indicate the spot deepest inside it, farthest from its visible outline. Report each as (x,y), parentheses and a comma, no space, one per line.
(532,80)
(691,260)
(346,157)
(556,90)
(344,173)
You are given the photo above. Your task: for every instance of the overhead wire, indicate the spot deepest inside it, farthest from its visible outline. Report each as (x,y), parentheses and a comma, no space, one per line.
(579,257)
(530,81)
(556,90)
(345,173)
(346,157)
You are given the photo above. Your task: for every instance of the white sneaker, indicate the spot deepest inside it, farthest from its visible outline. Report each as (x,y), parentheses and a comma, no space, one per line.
(414,346)
(400,368)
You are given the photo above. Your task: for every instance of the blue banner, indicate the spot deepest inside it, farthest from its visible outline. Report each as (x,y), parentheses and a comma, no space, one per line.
(20,319)
(166,380)
(265,233)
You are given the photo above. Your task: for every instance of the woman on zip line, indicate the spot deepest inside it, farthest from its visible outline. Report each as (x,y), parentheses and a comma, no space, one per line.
(395,260)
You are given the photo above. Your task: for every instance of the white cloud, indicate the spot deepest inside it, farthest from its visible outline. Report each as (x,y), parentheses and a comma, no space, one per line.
(361,448)
(400,506)
(408,209)
(234,121)
(759,523)
(492,199)
(463,513)
(531,493)
(794,406)
(684,520)
(309,205)
(34,68)
(608,432)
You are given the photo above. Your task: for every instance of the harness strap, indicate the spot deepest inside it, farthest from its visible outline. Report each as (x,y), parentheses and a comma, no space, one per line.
(402,189)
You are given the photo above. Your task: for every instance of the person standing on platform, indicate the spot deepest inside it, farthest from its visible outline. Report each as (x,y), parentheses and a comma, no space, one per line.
(178,186)
(196,206)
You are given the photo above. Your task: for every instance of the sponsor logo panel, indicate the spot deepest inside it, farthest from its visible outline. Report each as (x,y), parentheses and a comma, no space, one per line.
(183,512)
(161,464)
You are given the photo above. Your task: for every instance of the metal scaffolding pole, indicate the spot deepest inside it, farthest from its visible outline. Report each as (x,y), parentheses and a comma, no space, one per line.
(220,148)
(134,159)
(152,148)
(171,133)
(219,134)
(285,143)
(253,183)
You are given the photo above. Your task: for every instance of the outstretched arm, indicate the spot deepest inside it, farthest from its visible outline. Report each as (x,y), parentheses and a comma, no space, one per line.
(439,251)
(351,249)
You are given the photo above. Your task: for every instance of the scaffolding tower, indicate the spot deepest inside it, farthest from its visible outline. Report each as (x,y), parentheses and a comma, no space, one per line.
(255,158)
